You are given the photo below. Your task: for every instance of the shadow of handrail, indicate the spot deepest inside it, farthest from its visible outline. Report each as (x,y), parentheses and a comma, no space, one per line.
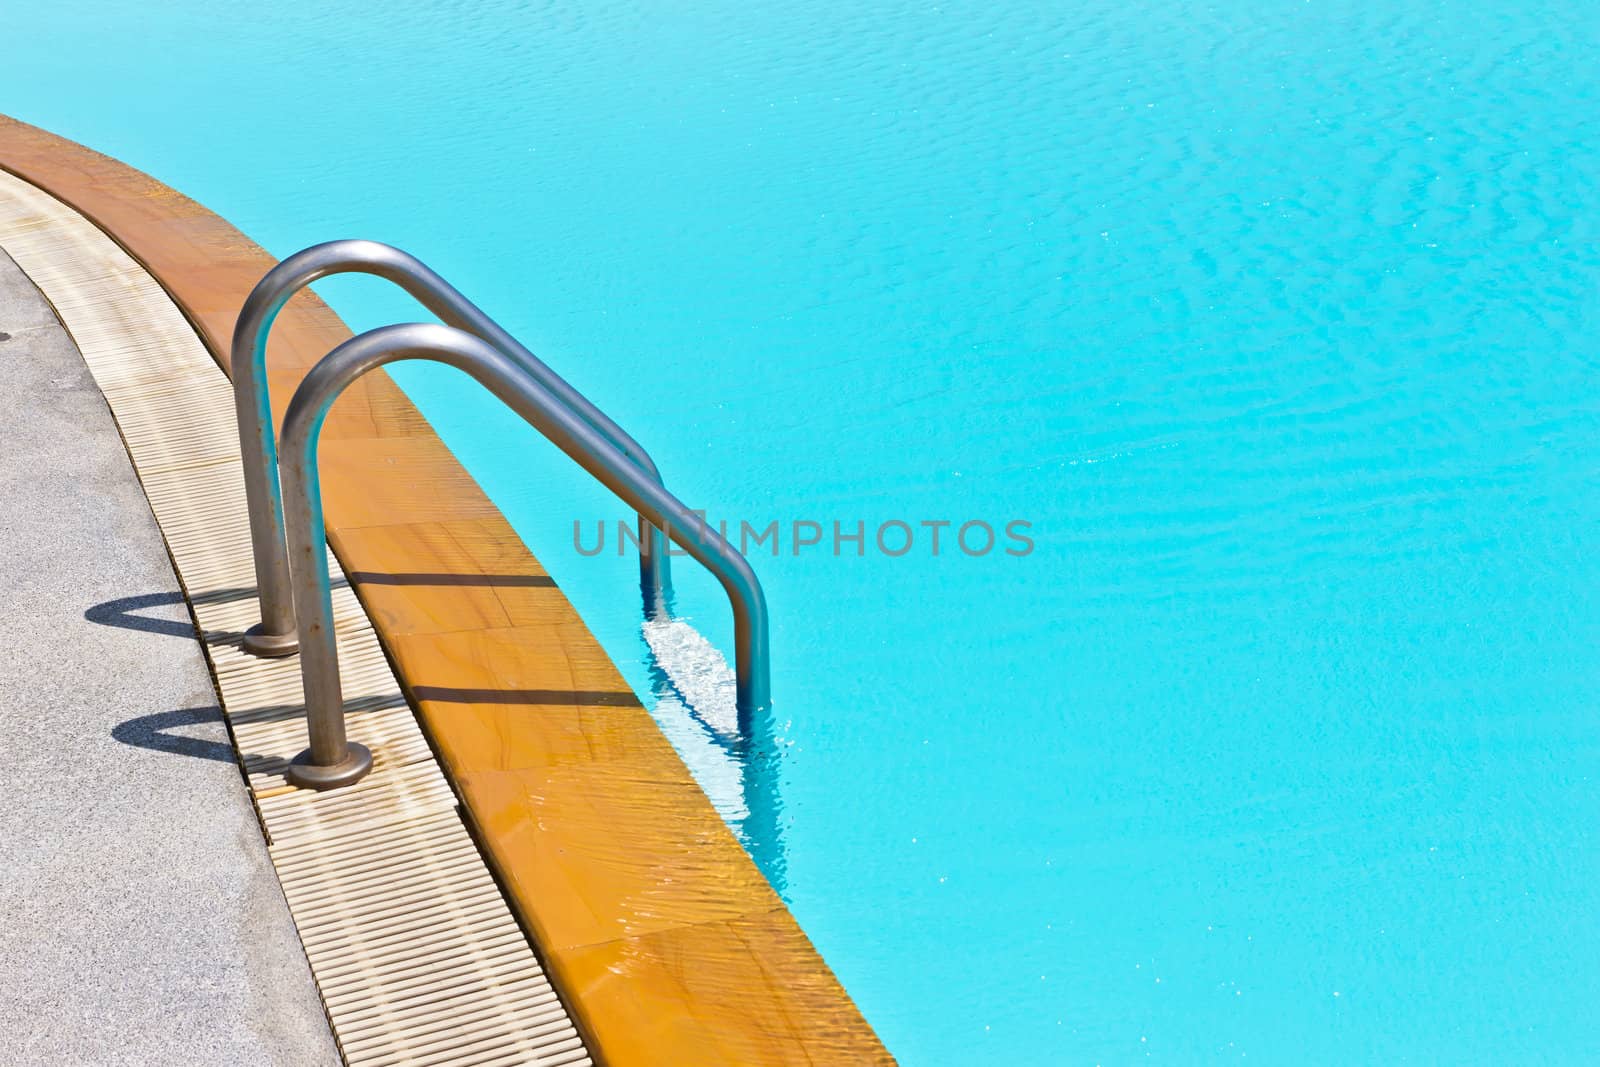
(583,698)
(448,579)
(150,731)
(154,731)
(120,613)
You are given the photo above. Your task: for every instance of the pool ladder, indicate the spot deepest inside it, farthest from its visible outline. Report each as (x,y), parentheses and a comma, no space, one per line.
(287,531)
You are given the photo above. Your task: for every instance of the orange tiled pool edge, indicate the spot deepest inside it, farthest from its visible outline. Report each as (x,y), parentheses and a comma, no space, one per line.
(667,942)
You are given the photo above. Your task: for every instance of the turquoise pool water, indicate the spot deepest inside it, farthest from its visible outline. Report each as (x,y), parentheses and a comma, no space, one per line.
(1279,323)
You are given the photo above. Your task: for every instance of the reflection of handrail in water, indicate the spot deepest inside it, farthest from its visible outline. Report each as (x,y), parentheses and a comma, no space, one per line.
(761,760)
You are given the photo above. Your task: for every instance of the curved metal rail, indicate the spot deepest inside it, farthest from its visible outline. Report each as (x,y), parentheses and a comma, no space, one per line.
(275,634)
(331,760)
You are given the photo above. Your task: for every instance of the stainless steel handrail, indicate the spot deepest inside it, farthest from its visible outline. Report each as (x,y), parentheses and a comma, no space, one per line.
(275,634)
(332,760)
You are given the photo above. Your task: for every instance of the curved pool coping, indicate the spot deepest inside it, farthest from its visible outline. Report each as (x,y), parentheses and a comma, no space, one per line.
(665,939)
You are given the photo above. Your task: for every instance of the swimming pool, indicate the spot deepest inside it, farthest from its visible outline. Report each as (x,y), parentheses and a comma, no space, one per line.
(1277,324)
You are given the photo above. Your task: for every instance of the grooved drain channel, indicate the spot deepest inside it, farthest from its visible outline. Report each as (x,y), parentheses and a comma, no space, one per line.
(416,953)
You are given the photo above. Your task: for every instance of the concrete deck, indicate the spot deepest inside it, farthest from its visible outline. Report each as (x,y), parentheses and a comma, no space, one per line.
(143,920)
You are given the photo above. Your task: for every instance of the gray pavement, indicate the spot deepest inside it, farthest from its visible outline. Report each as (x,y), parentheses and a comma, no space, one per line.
(140,918)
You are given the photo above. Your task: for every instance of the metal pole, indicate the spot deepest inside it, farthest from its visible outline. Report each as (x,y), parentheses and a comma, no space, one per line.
(330,762)
(275,634)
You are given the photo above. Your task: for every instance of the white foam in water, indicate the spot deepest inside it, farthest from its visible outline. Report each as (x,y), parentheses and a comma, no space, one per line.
(698,671)
(721,776)
(699,711)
